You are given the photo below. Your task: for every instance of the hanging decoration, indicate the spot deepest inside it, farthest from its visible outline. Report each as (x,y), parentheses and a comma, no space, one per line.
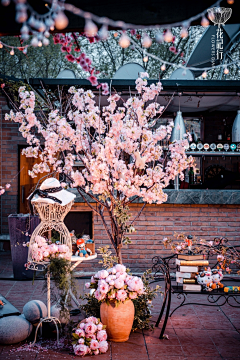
(40,26)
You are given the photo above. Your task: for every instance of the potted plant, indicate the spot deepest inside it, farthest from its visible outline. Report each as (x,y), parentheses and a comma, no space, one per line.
(121,300)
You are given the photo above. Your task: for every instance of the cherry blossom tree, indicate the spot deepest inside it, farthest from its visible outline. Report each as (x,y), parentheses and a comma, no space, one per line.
(118,146)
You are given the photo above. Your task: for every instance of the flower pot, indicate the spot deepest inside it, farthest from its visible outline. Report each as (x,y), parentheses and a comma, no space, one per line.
(119,320)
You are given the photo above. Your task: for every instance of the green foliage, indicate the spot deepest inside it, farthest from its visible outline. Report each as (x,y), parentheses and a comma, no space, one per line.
(108,260)
(122,215)
(60,271)
(143,303)
(44,62)
(91,305)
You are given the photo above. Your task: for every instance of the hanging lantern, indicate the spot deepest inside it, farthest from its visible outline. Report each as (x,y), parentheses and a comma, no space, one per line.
(61,21)
(90,28)
(124,41)
(236,128)
(179,128)
(146,41)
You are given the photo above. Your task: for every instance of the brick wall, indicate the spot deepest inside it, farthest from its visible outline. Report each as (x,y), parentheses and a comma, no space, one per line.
(158,221)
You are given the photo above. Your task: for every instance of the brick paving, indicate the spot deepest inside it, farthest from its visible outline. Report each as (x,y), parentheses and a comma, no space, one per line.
(195,332)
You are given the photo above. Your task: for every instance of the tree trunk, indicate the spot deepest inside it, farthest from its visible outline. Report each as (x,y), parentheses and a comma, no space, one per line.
(119,254)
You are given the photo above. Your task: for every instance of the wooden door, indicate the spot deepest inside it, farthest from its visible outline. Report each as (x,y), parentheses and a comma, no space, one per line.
(26,183)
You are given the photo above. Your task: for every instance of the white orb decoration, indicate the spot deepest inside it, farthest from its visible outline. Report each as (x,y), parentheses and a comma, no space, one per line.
(14,329)
(55,311)
(34,310)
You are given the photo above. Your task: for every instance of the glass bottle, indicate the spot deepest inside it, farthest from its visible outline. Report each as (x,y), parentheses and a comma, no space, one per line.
(191,176)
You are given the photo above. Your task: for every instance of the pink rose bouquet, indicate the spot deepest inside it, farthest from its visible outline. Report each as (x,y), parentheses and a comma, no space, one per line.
(115,284)
(44,250)
(90,337)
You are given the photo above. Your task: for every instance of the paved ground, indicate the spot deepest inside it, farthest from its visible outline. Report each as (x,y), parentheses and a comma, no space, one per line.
(195,332)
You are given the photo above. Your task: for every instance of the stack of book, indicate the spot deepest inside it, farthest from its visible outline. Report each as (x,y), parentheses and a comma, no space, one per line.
(188,267)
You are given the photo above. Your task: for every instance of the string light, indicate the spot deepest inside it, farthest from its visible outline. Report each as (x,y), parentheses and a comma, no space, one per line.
(90,28)
(163,67)
(12,52)
(115,34)
(204,74)
(124,41)
(184,33)
(168,36)
(226,71)
(145,59)
(39,44)
(120,24)
(61,21)
(103,33)
(230,2)
(146,41)
(204,22)
(45,42)
(34,42)
(1,45)
(51,28)
(5,2)
(159,37)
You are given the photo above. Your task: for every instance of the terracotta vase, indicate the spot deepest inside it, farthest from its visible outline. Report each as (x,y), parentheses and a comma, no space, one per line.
(119,320)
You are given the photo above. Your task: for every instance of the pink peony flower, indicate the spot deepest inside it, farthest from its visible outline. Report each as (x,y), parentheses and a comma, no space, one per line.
(91,319)
(87,285)
(103,287)
(133,295)
(96,352)
(81,341)
(118,283)
(99,327)
(103,274)
(53,248)
(90,328)
(102,335)
(120,268)
(121,295)
(103,346)
(98,295)
(7,186)
(81,349)
(82,326)
(80,332)
(94,345)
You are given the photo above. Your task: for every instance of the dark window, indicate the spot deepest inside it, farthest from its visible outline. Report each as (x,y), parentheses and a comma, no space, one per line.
(80,221)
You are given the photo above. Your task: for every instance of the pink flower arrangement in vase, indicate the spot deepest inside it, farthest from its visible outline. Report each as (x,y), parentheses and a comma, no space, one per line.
(44,250)
(115,285)
(90,337)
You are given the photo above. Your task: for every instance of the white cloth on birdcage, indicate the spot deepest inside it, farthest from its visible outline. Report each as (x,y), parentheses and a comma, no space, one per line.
(63,195)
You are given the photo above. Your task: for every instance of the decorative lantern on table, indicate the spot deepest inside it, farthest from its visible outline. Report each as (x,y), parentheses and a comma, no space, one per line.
(52,203)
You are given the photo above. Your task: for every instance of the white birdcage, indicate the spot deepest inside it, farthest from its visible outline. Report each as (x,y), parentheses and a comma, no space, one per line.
(52,203)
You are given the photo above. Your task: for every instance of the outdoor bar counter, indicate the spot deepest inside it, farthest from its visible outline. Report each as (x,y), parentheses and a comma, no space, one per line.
(189,196)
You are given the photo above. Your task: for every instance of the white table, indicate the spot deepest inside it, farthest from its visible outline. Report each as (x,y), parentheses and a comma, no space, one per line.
(78,260)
